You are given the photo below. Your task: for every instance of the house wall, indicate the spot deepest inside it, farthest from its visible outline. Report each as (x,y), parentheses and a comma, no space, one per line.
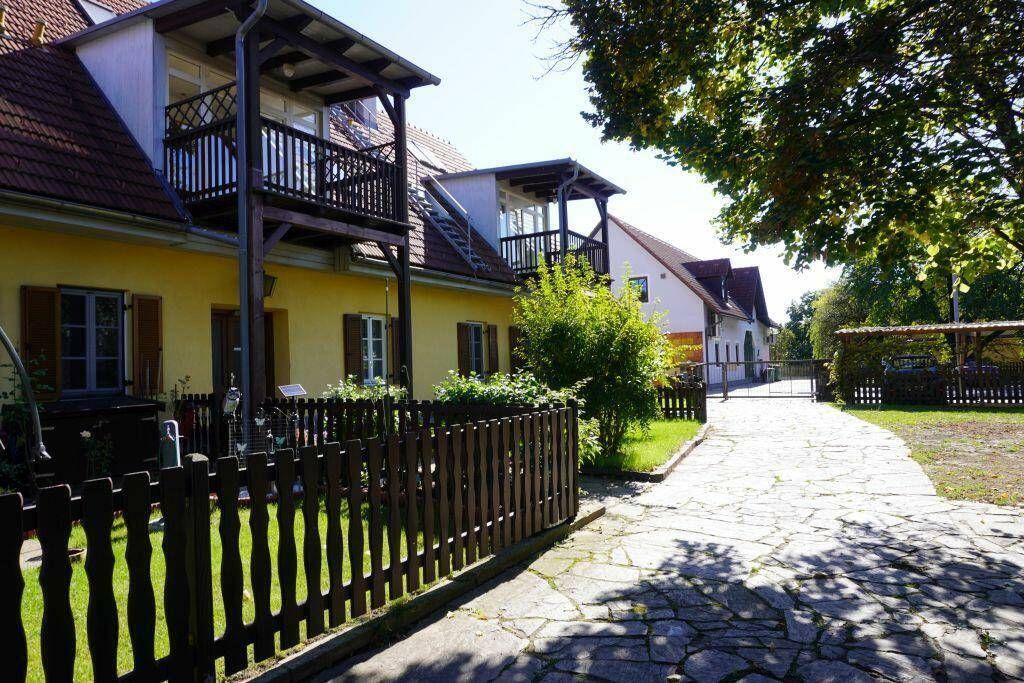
(478,195)
(130,67)
(683,310)
(308,305)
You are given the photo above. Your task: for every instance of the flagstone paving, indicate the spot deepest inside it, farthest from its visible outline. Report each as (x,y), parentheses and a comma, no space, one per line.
(796,543)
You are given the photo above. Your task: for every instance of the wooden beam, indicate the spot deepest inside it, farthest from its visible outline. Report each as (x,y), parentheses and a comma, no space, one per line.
(195,14)
(385,102)
(268,51)
(364,91)
(333,76)
(226,44)
(275,237)
(341,45)
(390,257)
(332,227)
(534,179)
(320,51)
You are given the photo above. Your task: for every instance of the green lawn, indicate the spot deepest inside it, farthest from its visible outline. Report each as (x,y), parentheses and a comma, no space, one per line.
(968,454)
(32,601)
(644,451)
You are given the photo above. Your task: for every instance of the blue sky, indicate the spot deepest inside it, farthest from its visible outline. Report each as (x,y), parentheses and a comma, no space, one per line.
(497,107)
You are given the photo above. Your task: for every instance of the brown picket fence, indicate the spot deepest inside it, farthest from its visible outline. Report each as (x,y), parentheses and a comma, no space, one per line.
(314,421)
(684,398)
(456,494)
(994,385)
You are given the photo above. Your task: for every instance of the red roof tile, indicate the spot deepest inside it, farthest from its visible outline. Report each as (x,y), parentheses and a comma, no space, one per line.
(60,138)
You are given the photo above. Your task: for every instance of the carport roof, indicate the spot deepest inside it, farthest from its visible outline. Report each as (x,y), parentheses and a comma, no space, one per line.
(921,330)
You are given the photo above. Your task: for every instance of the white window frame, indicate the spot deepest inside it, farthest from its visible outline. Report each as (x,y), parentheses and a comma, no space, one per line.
(90,358)
(477,362)
(366,337)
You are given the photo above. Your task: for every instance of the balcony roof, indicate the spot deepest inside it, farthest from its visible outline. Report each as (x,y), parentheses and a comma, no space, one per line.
(326,56)
(542,178)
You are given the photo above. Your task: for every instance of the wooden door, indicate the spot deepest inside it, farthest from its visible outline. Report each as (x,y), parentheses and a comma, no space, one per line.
(226,337)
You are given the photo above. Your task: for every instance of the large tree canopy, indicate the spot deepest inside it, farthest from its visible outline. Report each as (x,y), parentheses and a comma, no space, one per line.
(839,128)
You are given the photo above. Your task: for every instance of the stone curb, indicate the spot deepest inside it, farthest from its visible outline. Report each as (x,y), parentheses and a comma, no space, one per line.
(375,630)
(658,474)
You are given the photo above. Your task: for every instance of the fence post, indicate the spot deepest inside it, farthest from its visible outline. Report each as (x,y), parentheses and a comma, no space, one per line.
(574,453)
(200,569)
(725,381)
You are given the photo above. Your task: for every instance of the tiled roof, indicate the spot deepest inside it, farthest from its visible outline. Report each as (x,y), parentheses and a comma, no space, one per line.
(60,138)
(746,288)
(679,262)
(712,268)
(427,247)
(63,17)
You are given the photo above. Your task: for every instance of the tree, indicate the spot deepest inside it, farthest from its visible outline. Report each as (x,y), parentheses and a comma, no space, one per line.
(838,128)
(575,332)
(837,307)
(794,340)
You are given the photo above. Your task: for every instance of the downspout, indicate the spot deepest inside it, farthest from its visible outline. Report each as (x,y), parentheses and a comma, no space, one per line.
(38,452)
(242,127)
(563,211)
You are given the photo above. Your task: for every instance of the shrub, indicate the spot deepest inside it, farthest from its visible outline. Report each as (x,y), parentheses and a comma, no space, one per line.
(575,332)
(349,389)
(519,389)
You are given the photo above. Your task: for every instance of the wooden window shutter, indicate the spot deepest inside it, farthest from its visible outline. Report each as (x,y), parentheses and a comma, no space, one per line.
(493,362)
(40,338)
(394,350)
(465,364)
(353,333)
(148,345)
(514,340)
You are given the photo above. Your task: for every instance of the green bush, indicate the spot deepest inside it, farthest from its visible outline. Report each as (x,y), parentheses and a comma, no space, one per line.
(519,389)
(575,332)
(349,389)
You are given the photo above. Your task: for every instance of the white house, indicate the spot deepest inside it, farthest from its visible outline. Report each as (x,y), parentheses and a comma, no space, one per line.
(716,310)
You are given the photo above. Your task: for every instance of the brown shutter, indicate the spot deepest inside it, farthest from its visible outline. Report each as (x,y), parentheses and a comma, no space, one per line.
(148,345)
(353,333)
(464,361)
(493,364)
(514,340)
(40,338)
(394,350)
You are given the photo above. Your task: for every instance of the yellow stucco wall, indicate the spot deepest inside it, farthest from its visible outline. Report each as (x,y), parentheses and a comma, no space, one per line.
(308,332)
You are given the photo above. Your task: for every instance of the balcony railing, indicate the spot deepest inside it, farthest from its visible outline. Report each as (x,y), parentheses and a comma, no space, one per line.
(201,161)
(524,253)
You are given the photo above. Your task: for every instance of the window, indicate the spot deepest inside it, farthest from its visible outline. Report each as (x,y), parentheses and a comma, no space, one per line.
(91,334)
(727,358)
(718,356)
(641,284)
(713,320)
(374,343)
(476,348)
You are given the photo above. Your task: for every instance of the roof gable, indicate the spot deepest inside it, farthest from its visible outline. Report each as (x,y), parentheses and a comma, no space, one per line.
(678,262)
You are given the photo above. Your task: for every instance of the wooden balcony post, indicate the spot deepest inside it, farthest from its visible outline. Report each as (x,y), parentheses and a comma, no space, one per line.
(602,210)
(405,277)
(250,225)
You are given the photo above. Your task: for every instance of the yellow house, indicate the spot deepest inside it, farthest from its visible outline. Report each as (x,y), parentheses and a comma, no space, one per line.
(132,213)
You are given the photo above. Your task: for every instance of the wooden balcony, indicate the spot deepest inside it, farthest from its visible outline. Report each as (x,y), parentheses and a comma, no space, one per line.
(525,253)
(300,172)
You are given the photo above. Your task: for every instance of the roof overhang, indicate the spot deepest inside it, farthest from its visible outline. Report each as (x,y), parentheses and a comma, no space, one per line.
(321,54)
(543,178)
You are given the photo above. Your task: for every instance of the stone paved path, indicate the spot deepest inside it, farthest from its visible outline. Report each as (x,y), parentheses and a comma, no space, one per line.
(797,543)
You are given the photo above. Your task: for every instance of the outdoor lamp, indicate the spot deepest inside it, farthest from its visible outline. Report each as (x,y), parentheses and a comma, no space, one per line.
(269,284)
